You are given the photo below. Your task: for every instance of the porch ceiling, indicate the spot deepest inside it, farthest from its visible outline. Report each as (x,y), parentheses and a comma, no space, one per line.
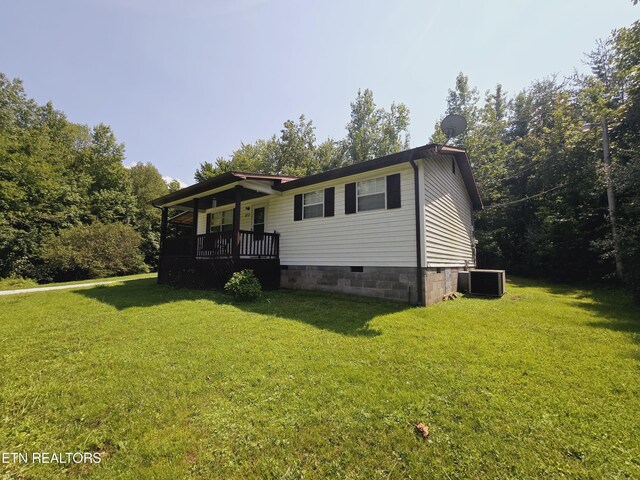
(221,187)
(225,197)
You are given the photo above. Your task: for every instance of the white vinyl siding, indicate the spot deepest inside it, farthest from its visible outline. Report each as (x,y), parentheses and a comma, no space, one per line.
(370,238)
(448,215)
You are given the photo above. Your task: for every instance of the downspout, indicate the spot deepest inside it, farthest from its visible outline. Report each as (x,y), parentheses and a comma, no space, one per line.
(419,276)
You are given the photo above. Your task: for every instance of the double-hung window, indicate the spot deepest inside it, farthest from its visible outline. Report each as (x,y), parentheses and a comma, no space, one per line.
(313,204)
(221,221)
(371,194)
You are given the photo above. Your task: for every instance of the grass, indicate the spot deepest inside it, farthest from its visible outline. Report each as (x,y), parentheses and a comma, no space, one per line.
(177,383)
(18,283)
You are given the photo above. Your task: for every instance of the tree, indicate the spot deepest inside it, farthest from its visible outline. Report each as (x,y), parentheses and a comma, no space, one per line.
(92,251)
(295,149)
(38,193)
(461,100)
(625,145)
(208,170)
(544,213)
(374,132)
(109,186)
(147,184)
(174,185)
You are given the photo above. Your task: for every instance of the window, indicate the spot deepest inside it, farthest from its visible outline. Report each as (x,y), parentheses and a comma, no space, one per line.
(258,219)
(313,204)
(318,204)
(221,221)
(371,194)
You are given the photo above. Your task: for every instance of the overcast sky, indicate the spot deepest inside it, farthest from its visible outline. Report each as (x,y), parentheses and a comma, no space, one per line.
(185,81)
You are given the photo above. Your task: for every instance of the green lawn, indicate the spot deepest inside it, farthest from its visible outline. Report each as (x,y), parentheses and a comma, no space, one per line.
(175,383)
(20,283)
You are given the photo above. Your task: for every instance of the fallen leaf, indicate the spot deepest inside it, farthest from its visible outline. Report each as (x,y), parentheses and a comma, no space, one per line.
(423,429)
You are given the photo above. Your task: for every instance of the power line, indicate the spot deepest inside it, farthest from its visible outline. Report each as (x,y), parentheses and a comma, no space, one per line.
(530,167)
(526,198)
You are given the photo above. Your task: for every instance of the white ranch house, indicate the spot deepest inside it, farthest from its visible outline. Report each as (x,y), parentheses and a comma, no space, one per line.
(397,227)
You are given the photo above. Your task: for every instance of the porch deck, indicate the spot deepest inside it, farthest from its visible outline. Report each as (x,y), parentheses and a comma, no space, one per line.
(258,245)
(208,260)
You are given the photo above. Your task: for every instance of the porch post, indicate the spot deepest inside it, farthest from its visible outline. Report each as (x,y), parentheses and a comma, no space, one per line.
(195,227)
(163,237)
(235,246)
(163,228)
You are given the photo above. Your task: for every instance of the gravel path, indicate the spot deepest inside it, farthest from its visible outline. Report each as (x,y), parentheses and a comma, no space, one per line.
(57,287)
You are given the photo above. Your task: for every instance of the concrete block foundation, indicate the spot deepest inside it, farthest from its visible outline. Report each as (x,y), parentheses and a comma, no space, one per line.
(440,282)
(393,283)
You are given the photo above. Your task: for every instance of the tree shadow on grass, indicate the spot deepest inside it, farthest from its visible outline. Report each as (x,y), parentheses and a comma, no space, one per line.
(613,306)
(343,314)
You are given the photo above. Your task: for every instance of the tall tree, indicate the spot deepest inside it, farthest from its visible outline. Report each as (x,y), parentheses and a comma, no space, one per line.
(461,100)
(147,184)
(295,149)
(374,132)
(109,186)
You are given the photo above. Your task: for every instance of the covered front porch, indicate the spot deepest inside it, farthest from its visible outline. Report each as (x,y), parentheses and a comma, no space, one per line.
(195,250)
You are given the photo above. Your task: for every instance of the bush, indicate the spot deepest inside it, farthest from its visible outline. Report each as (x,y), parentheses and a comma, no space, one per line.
(243,286)
(14,283)
(92,251)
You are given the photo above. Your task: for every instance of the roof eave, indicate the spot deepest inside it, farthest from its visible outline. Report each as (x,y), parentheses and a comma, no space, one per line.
(221,180)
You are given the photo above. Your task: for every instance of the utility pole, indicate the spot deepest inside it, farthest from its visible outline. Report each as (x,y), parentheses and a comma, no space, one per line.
(611,201)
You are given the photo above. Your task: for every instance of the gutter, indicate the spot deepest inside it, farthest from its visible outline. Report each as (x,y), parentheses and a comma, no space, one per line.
(419,276)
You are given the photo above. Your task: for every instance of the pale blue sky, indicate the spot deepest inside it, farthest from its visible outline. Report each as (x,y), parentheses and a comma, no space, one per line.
(181,82)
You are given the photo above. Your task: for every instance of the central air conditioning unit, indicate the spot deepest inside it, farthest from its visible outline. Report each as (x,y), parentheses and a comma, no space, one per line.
(483,282)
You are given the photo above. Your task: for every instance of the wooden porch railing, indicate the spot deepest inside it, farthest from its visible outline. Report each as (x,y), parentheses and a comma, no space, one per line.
(220,245)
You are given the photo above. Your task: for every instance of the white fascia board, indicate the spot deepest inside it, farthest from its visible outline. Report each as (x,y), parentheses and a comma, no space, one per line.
(263,187)
(259,186)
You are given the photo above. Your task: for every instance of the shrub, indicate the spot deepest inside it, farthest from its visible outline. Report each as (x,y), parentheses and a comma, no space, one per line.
(15,282)
(243,285)
(92,251)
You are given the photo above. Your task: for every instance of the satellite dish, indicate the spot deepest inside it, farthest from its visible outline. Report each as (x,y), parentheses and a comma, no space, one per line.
(453,125)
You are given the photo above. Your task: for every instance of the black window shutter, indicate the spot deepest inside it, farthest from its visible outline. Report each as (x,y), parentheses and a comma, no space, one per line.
(297,207)
(208,222)
(350,198)
(329,201)
(393,191)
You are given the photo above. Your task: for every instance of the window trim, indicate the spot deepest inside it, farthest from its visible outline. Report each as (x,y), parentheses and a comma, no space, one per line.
(384,192)
(253,217)
(222,213)
(321,202)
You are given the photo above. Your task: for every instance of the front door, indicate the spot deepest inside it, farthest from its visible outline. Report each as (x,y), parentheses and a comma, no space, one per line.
(259,219)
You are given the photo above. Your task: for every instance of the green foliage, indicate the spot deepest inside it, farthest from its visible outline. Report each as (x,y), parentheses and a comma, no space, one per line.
(542,178)
(372,132)
(243,286)
(147,184)
(55,175)
(174,185)
(91,251)
(16,283)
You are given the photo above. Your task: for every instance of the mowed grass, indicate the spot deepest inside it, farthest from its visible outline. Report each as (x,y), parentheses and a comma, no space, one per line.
(177,383)
(17,283)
